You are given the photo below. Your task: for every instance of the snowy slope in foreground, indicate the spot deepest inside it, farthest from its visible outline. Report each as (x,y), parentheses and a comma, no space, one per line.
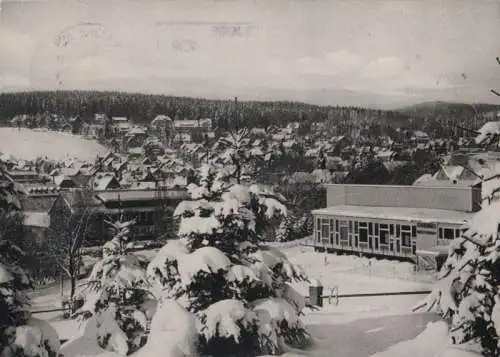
(433,341)
(29,144)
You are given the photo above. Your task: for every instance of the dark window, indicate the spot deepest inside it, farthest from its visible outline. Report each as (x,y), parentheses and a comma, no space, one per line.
(376,229)
(384,226)
(336,225)
(397,230)
(384,237)
(363,235)
(448,233)
(457,233)
(350,226)
(406,239)
(413,231)
(392,230)
(370,228)
(356,227)
(331,225)
(325,231)
(440,233)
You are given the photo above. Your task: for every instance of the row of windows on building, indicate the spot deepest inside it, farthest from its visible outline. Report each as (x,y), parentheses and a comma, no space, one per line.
(140,217)
(355,232)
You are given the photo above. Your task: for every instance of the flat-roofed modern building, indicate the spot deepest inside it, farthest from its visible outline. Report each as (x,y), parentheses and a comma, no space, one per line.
(407,222)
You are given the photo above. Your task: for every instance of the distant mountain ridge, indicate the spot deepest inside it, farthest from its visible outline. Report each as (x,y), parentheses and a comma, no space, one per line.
(439,108)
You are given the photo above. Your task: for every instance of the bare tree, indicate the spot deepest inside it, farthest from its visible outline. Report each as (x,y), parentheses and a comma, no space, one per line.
(71,220)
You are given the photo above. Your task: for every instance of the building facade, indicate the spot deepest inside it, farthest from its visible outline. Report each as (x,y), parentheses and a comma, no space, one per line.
(407,222)
(147,207)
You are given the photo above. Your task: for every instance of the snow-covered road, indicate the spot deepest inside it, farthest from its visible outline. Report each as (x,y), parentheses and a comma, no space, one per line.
(364,337)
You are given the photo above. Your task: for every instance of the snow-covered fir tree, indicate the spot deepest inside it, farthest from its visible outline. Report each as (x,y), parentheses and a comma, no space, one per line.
(467,294)
(118,301)
(20,334)
(218,275)
(238,158)
(285,231)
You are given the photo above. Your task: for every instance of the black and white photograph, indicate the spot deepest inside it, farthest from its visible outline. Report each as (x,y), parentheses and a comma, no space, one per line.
(249,178)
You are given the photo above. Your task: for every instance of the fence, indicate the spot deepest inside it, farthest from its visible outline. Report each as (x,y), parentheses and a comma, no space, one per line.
(290,244)
(334,295)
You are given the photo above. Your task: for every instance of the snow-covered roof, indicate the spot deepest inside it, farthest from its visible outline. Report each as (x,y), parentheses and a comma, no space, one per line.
(422,179)
(398,213)
(180,181)
(143,185)
(445,183)
(312,152)
(160,119)
(38,203)
(62,179)
(136,151)
(135,131)
(258,131)
(384,153)
(102,183)
(36,219)
(489,128)
(420,134)
(120,119)
(139,195)
(123,125)
(186,123)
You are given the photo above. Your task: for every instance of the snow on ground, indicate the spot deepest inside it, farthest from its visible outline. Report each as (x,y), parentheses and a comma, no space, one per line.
(370,324)
(352,274)
(27,144)
(433,341)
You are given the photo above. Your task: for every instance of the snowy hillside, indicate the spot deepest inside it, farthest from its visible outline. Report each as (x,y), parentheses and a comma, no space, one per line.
(29,144)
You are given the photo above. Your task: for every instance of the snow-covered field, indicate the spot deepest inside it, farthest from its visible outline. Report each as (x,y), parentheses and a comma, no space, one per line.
(27,144)
(351,274)
(371,325)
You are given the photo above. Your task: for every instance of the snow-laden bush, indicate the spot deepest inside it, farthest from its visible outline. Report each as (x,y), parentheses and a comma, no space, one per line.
(173,332)
(467,292)
(237,290)
(118,299)
(285,231)
(20,334)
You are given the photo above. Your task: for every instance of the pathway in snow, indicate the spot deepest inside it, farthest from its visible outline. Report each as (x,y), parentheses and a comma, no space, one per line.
(364,337)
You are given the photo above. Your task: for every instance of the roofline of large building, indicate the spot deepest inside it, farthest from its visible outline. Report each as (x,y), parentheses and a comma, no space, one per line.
(412,186)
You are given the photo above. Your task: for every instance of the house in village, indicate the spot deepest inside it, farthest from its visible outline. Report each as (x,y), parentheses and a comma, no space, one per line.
(26,176)
(69,177)
(147,207)
(121,125)
(187,130)
(96,127)
(36,206)
(405,222)
(162,126)
(104,181)
(134,137)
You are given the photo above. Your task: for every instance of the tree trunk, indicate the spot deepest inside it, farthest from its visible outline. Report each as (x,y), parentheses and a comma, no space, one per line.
(72,282)
(238,174)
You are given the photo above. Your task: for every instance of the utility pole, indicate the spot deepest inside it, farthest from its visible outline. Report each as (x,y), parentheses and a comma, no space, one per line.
(236,112)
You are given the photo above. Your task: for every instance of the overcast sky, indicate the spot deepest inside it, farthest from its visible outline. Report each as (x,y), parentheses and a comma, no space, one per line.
(383,53)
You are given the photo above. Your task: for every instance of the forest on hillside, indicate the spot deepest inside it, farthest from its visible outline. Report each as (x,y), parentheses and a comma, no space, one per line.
(142,108)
